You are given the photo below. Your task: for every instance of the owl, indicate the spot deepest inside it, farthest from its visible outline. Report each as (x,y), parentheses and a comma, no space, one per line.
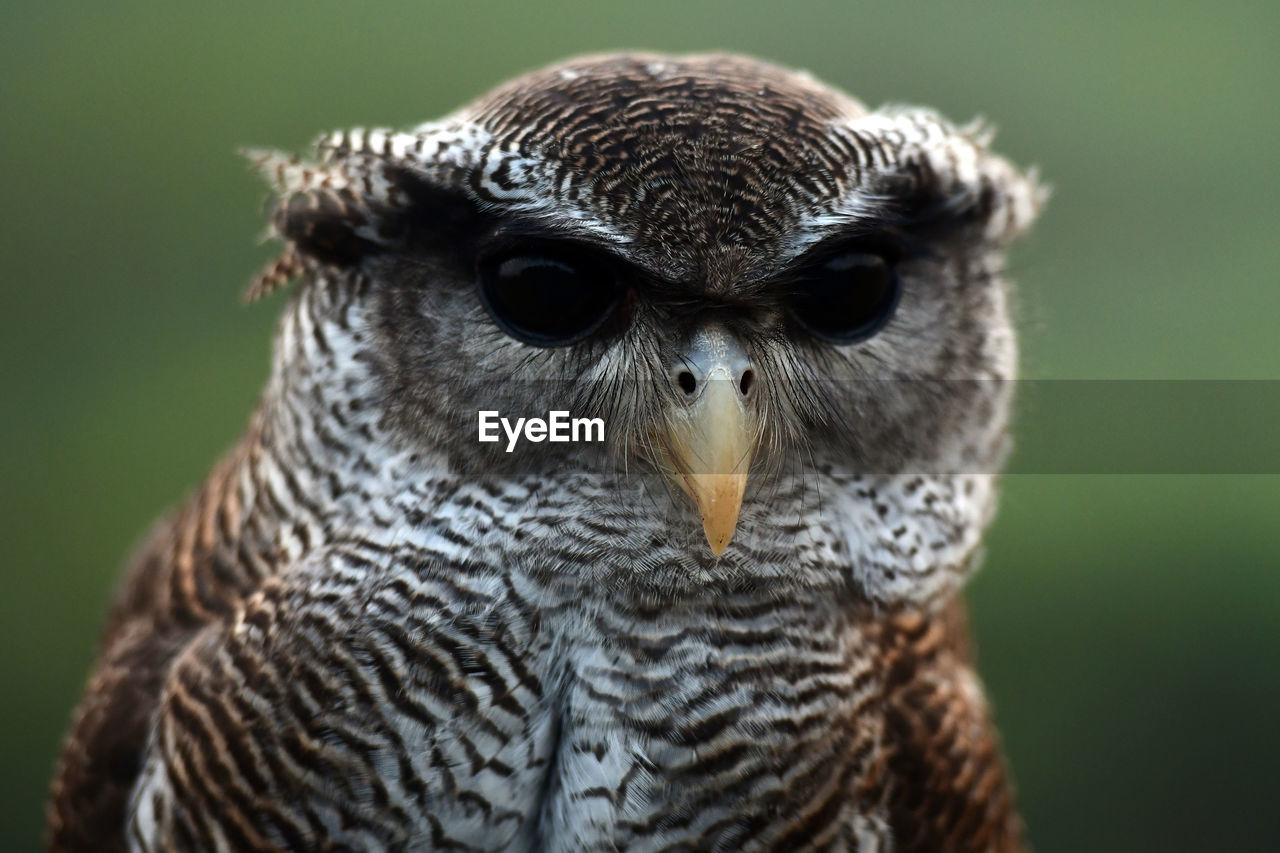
(416,608)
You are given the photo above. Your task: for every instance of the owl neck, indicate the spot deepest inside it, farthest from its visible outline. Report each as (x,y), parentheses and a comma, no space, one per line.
(317,457)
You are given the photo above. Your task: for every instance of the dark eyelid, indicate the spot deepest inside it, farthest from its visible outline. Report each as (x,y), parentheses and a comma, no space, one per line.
(511,238)
(906,227)
(894,244)
(506,239)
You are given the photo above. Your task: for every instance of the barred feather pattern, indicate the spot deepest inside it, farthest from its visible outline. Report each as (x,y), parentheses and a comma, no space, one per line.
(348,639)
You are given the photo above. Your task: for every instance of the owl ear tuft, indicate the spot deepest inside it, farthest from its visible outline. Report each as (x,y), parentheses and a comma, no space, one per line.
(350,206)
(946,176)
(287,266)
(324,212)
(985,188)
(329,226)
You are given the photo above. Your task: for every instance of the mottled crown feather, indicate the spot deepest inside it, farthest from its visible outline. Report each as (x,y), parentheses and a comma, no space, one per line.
(676,158)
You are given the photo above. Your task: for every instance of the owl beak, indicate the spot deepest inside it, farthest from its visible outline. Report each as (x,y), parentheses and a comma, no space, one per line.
(711,437)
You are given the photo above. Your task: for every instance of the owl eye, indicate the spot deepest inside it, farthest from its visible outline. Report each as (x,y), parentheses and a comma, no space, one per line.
(548,298)
(848,298)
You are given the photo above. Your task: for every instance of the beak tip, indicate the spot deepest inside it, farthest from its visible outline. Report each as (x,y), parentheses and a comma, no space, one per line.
(718,538)
(719,499)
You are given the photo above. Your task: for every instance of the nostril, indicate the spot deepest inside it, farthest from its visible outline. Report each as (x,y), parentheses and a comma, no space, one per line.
(686,382)
(748,379)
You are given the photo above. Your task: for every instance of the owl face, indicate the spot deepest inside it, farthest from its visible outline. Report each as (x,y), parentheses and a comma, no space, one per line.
(780,303)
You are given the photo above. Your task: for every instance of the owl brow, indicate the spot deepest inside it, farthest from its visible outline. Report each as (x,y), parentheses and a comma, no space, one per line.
(454,213)
(906,225)
(889,236)
(434,208)
(514,228)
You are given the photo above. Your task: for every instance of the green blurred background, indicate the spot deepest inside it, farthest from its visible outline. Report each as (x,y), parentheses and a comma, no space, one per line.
(1128,625)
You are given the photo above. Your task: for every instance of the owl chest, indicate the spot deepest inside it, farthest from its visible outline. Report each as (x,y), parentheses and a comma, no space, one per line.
(725,737)
(748,725)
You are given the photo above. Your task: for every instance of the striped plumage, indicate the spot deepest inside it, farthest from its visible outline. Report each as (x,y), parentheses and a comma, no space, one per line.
(368,631)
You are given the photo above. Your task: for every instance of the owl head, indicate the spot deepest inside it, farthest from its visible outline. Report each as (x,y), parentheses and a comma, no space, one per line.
(787,309)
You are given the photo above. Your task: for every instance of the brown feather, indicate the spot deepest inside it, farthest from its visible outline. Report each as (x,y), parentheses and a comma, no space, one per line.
(949,787)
